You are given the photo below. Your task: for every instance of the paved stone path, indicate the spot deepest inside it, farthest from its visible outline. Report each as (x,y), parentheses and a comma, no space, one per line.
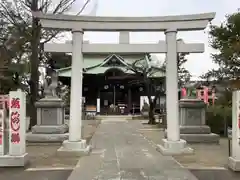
(121,152)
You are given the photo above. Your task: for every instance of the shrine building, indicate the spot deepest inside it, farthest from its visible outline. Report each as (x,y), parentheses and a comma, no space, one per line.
(110,87)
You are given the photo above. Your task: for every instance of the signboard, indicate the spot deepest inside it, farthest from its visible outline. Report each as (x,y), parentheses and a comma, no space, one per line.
(17,124)
(236,115)
(98,105)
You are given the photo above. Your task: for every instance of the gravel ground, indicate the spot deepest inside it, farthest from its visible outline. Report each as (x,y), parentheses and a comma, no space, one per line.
(209,162)
(205,155)
(215,175)
(44,155)
(18,173)
(44,162)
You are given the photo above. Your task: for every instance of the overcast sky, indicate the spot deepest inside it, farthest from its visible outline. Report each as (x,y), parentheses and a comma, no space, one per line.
(197,63)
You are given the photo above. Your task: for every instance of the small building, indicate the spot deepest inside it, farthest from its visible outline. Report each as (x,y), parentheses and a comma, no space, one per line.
(111,87)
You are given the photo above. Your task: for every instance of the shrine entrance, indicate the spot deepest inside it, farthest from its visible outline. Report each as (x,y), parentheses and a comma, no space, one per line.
(114,95)
(171,46)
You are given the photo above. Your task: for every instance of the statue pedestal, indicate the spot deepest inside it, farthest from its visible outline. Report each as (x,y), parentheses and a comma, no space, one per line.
(50,121)
(193,126)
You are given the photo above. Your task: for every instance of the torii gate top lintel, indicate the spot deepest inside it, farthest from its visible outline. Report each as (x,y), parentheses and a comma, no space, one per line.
(158,23)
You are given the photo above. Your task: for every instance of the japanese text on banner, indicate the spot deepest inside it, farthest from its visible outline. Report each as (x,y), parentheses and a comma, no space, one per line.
(15,120)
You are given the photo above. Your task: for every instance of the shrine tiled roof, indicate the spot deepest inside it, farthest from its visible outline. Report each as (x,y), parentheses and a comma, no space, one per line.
(100,66)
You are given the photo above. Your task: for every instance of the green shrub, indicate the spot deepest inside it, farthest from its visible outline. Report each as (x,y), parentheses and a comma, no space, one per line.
(145,110)
(218,118)
(145,107)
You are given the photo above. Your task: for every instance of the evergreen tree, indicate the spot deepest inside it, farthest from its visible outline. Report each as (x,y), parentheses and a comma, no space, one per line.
(225,40)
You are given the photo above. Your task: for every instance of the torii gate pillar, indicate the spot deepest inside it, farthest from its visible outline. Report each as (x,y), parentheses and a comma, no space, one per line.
(234,159)
(173,144)
(76,143)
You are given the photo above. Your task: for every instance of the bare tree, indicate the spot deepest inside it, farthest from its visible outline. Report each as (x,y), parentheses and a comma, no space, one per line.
(18,14)
(145,71)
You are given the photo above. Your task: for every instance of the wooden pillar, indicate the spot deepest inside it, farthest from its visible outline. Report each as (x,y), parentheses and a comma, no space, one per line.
(129,100)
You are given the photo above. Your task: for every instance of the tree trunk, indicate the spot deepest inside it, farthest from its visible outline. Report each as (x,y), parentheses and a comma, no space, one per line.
(36,29)
(151,113)
(225,124)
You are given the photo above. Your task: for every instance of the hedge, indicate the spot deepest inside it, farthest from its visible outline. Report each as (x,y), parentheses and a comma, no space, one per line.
(219,118)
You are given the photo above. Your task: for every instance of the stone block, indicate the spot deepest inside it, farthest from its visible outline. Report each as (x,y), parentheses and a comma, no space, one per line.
(79,148)
(203,129)
(234,164)
(191,103)
(48,102)
(14,161)
(201,138)
(57,129)
(50,111)
(44,138)
(174,147)
(192,112)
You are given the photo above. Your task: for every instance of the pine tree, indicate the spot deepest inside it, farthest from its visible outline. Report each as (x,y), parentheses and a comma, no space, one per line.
(225,40)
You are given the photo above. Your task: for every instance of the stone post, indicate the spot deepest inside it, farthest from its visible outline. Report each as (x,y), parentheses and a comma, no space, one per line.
(16,155)
(234,160)
(172,86)
(75,124)
(2,132)
(76,143)
(17,124)
(173,144)
(124,37)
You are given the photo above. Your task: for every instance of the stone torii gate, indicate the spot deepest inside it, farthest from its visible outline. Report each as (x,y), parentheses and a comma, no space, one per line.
(169,24)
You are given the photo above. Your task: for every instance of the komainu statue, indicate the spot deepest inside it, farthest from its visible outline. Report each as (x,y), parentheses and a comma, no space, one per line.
(50,90)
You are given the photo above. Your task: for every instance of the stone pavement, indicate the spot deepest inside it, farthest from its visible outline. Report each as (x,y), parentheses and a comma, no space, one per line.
(120,151)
